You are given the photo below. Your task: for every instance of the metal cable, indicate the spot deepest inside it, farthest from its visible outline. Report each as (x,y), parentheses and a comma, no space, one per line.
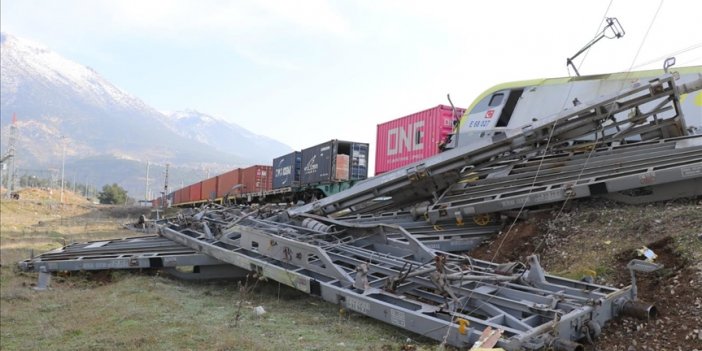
(681,51)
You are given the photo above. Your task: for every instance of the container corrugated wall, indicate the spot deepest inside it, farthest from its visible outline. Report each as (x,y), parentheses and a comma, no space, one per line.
(195,191)
(226,181)
(286,170)
(185,194)
(209,189)
(182,195)
(176,197)
(413,138)
(319,163)
(257,178)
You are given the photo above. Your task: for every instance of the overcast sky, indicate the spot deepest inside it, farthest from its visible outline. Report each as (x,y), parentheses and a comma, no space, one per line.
(304,72)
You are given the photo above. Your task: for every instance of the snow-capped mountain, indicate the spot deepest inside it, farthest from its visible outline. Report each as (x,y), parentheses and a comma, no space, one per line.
(71,101)
(225,136)
(60,103)
(22,58)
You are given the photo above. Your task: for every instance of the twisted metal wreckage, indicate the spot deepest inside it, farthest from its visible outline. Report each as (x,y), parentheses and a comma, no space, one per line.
(382,247)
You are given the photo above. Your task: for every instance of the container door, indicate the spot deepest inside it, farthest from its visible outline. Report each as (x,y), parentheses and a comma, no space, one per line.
(359,161)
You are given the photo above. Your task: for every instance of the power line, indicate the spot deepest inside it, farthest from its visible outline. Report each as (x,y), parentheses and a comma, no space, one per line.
(643,41)
(675,53)
(10,158)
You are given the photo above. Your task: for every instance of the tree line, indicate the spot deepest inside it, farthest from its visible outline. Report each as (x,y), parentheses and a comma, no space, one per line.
(112,194)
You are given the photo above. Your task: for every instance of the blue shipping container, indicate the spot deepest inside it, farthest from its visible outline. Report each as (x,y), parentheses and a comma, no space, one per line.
(286,170)
(319,162)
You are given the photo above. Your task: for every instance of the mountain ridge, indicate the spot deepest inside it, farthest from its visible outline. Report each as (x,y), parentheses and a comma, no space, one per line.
(65,108)
(224,136)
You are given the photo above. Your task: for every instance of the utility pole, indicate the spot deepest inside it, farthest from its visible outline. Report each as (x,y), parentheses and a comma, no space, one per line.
(63,164)
(146,189)
(165,189)
(10,157)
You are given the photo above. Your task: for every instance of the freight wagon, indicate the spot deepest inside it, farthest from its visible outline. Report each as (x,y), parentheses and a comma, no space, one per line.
(237,183)
(306,175)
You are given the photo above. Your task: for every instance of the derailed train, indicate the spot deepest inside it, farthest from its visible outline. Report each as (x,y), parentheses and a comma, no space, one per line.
(334,166)
(306,175)
(518,146)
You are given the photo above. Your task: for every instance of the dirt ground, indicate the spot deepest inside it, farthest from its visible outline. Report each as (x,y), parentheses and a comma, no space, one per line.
(597,238)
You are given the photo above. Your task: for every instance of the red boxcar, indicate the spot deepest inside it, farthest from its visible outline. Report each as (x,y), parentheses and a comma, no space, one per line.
(413,138)
(176,197)
(257,178)
(226,181)
(195,191)
(209,189)
(185,194)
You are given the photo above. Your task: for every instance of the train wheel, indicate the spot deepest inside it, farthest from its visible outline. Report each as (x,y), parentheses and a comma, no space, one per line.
(482,219)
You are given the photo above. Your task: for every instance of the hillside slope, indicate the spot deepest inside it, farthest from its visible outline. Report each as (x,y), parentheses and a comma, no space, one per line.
(597,238)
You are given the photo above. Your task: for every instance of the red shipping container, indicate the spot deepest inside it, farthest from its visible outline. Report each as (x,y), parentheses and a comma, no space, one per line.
(176,197)
(226,181)
(257,179)
(209,189)
(185,196)
(413,138)
(195,191)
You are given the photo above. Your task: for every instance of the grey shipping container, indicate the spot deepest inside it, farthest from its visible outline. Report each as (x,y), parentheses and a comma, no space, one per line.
(286,170)
(319,162)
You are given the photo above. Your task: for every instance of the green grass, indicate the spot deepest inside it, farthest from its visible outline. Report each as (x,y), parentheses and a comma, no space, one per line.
(129,310)
(138,311)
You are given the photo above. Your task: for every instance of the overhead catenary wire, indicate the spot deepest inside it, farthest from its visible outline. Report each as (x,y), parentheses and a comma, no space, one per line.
(670,54)
(696,60)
